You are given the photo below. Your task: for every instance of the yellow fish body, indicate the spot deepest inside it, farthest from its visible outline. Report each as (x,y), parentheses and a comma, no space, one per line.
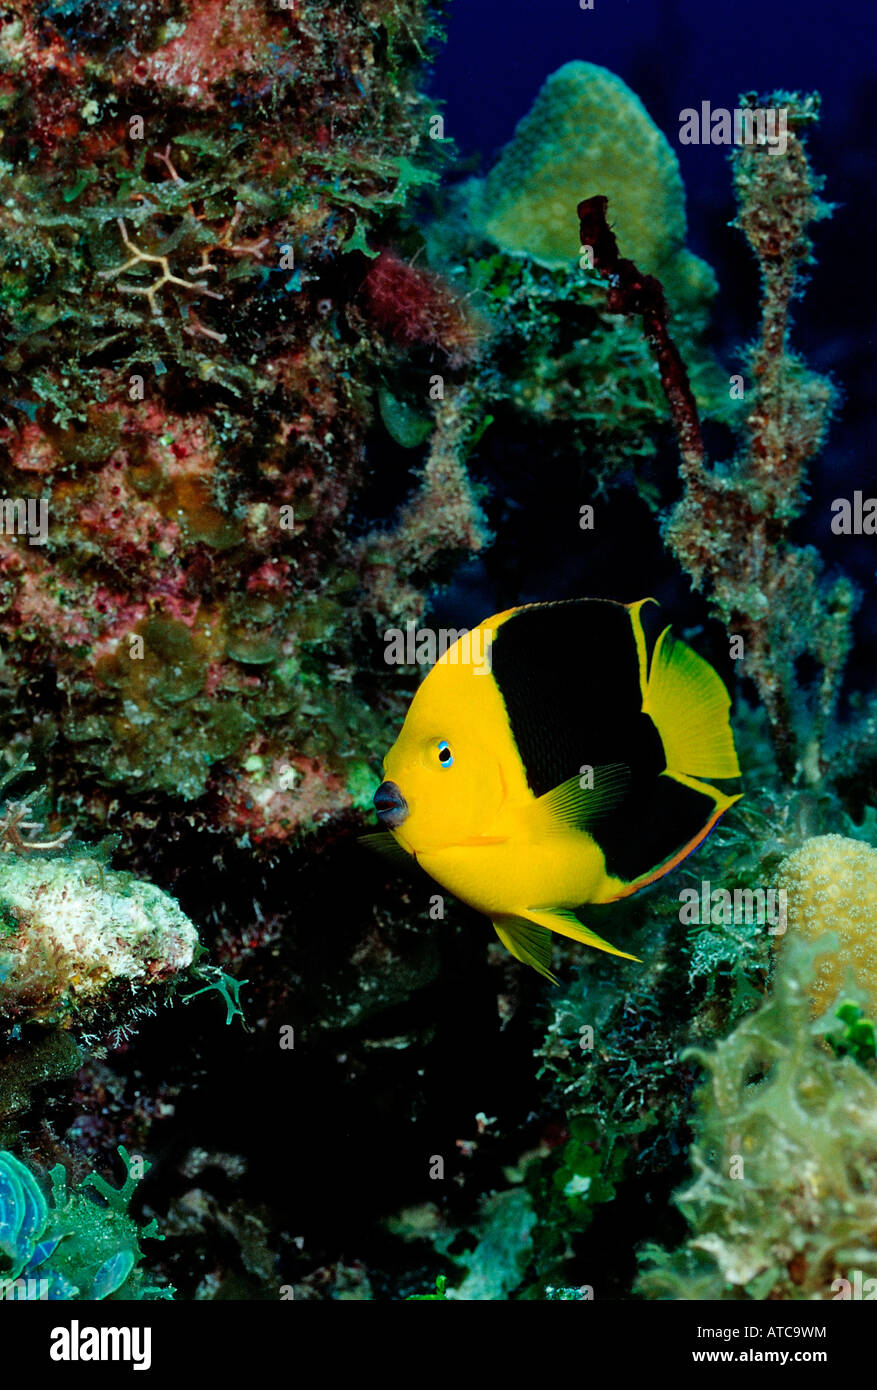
(549,759)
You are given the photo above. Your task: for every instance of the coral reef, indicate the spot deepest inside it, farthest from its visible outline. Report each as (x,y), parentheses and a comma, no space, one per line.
(270,402)
(79,1245)
(616,1079)
(198,329)
(730,531)
(569,377)
(615,1082)
(785,1164)
(76,935)
(831,883)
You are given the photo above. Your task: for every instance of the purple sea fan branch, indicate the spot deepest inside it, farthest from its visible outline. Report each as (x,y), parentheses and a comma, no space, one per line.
(631,292)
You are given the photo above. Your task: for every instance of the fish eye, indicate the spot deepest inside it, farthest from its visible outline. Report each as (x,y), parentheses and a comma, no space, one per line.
(445,756)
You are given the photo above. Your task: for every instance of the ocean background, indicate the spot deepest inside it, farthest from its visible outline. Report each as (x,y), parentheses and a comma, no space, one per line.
(676,54)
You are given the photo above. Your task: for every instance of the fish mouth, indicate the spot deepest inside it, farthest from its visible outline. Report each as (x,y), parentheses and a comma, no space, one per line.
(391,806)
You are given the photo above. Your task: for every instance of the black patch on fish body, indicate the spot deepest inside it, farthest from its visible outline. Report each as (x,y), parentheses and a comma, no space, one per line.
(644,832)
(568,674)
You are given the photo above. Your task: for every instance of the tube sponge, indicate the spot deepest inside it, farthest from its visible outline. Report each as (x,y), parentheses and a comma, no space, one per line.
(831,883)
(587,133)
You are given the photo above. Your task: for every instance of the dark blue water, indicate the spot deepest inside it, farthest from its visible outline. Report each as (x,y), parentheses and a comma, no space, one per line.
(676,54)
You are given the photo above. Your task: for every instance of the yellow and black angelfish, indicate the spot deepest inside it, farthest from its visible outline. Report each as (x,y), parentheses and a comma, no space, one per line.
(550,759)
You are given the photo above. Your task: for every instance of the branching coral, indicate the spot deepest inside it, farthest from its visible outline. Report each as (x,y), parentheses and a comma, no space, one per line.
(730,530)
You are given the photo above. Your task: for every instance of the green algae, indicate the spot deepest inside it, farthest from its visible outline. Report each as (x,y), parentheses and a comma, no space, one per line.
(74,1246)
(784,1161)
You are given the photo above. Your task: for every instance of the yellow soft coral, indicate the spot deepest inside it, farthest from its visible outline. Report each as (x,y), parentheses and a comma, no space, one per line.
(831,883)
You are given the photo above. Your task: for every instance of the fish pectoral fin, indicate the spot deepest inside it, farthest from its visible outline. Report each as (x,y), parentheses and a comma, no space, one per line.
(565,923)
(527,942)
(571,806)
(387,846)
(688,703)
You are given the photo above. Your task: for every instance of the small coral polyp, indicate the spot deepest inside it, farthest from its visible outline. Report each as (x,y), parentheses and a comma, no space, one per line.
(831,882)
(75,937)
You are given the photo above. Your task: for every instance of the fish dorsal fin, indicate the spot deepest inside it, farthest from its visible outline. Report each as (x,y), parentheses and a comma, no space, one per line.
(570,806)
(639,638)
(387,846)
(565,923)
(688,703)
(527,942)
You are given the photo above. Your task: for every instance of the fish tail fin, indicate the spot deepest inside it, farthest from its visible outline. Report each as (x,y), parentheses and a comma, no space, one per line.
(689,705)
(565,923)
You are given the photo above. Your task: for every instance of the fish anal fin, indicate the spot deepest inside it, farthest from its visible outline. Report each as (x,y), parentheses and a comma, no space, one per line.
(527,942)
(571,806)
(565,923)
(689,704)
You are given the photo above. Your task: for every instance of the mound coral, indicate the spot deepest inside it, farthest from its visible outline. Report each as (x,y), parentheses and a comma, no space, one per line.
(564,378)
(80,1246)
(831,883)
(586,130)
(587,133)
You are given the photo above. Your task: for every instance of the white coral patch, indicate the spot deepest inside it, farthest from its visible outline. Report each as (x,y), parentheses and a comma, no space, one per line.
(81,926)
